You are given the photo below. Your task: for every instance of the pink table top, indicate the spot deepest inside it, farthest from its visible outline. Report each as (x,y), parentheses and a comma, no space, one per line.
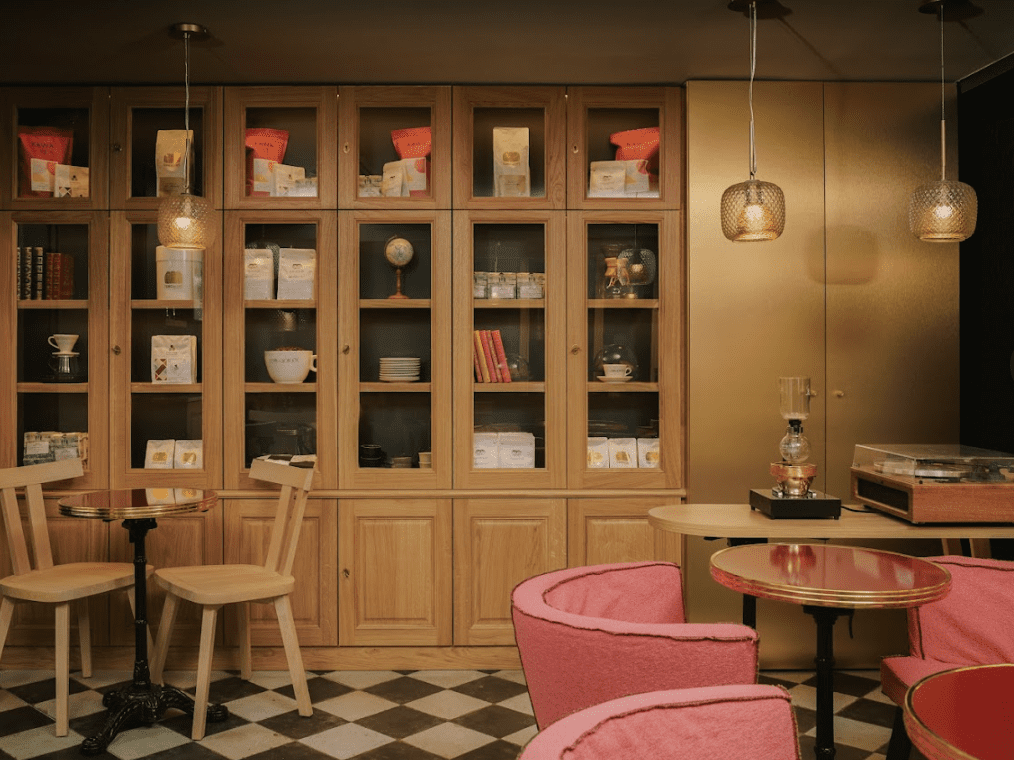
(963,714)
(830,576)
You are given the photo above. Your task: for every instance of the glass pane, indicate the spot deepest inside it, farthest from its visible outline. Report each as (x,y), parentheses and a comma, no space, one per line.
(280,423)
(517,153)
(517,413)
(52,425)
(281,152)
(43,274)
(397,423)
(161,417)
(623,261)
(394,334)
(144,154)
(378,276)
(52,149)
(623,430)
(273,330)
(627,135)
(147,323)
(37,359)
(292,273)
(387,137)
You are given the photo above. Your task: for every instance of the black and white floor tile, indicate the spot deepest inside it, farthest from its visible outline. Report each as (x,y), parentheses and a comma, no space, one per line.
(370,715)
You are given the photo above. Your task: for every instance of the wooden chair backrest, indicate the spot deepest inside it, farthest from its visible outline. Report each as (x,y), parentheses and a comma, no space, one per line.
(295,483)
(31,477)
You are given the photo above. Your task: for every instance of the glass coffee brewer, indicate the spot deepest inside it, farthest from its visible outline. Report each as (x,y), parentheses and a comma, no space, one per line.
(791,496)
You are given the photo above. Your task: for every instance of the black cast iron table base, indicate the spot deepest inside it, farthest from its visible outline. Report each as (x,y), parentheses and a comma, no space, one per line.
(825,618)
(143,702)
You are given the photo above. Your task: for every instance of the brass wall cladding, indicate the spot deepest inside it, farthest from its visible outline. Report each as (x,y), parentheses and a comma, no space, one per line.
(846,296)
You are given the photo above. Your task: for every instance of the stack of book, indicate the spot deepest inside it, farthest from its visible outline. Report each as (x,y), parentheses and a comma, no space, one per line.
(43,275)
(489,357)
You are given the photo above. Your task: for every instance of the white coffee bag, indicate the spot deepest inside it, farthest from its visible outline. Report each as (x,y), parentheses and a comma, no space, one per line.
(188,455)
(158,455)
(174,358)
(258,274)
(296,267)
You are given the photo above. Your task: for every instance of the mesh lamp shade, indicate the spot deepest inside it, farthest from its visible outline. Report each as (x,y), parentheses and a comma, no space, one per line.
(943,212)
(184,221)
(753,211)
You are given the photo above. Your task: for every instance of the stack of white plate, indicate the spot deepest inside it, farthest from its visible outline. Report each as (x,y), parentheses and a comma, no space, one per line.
(397,369)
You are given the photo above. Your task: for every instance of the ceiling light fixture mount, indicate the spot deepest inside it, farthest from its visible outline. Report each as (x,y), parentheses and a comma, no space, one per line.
(183,217)
(944,211)
(752,211)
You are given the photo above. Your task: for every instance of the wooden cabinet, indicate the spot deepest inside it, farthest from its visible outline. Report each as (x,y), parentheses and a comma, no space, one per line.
(394,571)
(510,241)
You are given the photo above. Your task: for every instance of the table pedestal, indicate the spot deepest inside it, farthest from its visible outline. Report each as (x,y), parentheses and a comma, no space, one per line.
(141,703)
(825,618)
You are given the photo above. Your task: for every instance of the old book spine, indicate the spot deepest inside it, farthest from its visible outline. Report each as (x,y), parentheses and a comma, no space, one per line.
(482,364)
(66,282)
(488,351)
(501,357)
(39,276)
(475,361)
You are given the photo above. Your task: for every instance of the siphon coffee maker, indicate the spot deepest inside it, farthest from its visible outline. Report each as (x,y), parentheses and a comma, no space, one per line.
(791,496)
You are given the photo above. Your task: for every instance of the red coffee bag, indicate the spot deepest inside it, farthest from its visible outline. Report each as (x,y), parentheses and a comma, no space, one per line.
(262,142)
(50,144)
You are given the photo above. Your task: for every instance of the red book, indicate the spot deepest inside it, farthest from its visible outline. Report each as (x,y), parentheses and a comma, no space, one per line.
(501,357)
(53,266)
(480,357)
(487,352)
(65,287)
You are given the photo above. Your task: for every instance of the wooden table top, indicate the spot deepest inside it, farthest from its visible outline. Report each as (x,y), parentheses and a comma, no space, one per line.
(963,714)
(739,521)
(830,576)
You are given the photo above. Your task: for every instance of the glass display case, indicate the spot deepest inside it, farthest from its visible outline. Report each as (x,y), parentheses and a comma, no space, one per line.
(166,370)
(280,330)
(281,147)
(58,140)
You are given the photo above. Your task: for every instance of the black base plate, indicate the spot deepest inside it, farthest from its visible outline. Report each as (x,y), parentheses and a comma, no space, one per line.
(818,506)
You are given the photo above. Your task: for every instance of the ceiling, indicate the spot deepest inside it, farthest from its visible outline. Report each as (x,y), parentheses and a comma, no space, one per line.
(495,42)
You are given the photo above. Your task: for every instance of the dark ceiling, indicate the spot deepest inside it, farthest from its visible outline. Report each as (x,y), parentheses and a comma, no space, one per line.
(523,41)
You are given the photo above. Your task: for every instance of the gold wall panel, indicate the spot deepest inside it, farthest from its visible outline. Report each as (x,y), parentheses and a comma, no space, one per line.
(846,296)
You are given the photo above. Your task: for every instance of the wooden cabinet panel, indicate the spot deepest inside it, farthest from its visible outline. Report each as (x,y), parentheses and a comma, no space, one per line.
(395,572)
(248,524)
(497,544)
(617,530)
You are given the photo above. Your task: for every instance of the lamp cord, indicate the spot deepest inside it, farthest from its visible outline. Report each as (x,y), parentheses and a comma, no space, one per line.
(943,112)
(186,112)
(753,69)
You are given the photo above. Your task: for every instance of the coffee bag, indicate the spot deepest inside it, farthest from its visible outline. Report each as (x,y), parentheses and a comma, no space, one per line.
(174,358)
(171,146)
(296,267)
(511,172)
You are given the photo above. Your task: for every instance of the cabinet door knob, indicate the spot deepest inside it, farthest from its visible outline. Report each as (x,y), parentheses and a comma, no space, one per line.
(346,148)
(116,147)
(116,350)
(575,350)
(575,150)
(839,394)
(346,348)
(345,572)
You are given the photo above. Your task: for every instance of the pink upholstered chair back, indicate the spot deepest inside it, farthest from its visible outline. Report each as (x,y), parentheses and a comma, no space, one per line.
(974,623)
(590,634)
(712,723)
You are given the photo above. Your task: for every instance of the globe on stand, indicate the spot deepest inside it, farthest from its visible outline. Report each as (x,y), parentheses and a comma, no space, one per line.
(398,252)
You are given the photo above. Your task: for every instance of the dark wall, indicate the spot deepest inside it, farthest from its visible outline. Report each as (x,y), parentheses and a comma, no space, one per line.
(986,144)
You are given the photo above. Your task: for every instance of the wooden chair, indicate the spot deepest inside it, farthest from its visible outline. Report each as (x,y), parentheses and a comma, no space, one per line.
(46,583)
(211,586)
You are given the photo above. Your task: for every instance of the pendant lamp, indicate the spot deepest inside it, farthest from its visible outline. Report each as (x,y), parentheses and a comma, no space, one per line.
(184,219)
(943,211)
(754,210)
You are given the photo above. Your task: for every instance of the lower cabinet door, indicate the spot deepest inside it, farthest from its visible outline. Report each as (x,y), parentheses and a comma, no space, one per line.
(497,544)
(394,570)
(617,530)
(248,524)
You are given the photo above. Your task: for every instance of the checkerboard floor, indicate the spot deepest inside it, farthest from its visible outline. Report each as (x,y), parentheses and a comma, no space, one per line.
(370,715)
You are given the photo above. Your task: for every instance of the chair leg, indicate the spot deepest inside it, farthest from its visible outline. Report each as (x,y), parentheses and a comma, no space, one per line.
(84,632)
(287,625)
(165,632)
(243,619)
(6,615)
(204,670)
(900,746)
(62,671)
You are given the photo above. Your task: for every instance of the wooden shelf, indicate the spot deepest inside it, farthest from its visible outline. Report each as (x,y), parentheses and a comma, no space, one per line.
(75,303)
(509,303)
(182,388)
(280,387)
(53,387)
(395,303)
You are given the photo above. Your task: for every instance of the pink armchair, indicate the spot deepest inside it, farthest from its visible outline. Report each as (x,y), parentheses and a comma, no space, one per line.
(590,634)
(972,625)
(709,723)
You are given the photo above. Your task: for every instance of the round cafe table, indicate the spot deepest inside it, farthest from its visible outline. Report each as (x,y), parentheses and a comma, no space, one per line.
(829,581)
(142,702)
(963,714)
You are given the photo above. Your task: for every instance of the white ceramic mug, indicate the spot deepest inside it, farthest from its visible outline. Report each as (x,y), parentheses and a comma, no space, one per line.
(290,365)
(616,370)
(62,342)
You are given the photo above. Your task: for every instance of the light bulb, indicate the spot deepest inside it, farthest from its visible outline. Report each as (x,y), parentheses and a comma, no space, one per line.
(943,212)
(754,212)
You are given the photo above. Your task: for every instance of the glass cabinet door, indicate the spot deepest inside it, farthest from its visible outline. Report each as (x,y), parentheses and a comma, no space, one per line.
(508,147)
(395,144)
(57,139)
(280,335)
(148,145)
(57,371)
(509,357)
(623,147)
(281,147)
(395,429)
(166,359)
(625,404)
